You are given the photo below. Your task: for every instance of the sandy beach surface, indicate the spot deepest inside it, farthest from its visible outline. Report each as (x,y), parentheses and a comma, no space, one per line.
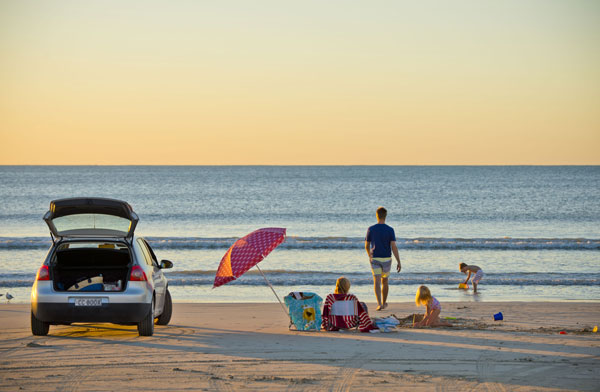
(247,346)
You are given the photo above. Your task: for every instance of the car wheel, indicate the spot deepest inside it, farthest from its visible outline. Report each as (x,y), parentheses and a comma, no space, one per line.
(146,326)
(165,317)
(39,327)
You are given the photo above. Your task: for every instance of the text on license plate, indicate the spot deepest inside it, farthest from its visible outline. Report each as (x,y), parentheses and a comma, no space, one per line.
(88,301)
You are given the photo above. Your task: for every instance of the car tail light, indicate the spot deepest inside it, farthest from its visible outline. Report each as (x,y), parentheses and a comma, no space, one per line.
(43,273)
(137,274)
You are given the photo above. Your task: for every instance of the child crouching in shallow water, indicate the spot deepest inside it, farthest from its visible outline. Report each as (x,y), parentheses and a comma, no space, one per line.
(432,316)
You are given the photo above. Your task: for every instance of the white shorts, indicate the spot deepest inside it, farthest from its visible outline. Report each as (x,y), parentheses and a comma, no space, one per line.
(478,276)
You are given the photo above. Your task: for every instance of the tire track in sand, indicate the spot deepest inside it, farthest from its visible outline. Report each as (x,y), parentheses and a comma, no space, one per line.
(485,369)
(76,377)
(350,368)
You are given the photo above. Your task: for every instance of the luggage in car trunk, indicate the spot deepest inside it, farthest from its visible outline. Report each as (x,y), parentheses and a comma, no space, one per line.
(96,268)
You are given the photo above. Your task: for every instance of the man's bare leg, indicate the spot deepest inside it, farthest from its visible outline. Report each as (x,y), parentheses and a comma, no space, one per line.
(474,287)
(384,292)
(377,288)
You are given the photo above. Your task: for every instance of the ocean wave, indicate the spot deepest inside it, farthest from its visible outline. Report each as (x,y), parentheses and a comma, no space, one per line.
(328,278)
(293,242)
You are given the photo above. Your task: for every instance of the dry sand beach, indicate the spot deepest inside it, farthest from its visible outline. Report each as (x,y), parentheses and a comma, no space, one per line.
(249,347)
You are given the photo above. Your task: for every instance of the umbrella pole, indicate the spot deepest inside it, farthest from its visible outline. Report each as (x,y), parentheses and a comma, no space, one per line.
(269,283)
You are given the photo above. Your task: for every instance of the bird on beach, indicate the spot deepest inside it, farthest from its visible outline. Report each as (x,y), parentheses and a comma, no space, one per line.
(9,297)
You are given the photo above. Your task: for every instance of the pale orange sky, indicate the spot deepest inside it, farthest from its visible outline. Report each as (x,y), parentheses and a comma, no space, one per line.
(311,82)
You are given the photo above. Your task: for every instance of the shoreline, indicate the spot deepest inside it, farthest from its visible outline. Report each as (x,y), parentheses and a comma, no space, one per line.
(233,346)
(262,294)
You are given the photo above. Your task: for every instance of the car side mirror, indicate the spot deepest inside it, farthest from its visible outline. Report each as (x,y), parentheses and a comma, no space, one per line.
(166,264)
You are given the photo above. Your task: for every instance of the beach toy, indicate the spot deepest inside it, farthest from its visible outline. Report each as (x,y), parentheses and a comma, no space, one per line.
(595,329)
(498,316)
(563,332)
(463,286)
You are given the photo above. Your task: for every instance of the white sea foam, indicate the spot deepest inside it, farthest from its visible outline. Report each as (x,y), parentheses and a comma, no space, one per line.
(325,278)
(346,243)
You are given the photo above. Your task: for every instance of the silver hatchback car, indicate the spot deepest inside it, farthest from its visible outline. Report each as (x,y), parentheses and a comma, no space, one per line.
(97,271)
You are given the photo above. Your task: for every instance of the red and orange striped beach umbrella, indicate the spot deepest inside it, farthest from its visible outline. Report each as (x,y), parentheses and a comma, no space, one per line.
(247,252)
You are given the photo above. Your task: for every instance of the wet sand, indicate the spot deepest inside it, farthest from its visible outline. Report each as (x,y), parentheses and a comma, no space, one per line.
(241,346)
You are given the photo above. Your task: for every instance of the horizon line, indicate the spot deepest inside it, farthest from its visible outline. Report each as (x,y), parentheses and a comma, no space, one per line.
(310,165)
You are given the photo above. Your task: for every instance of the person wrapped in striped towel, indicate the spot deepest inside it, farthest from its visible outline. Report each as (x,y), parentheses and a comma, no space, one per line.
(343,310)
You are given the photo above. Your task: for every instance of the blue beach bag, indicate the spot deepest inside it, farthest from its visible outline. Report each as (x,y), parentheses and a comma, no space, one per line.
(305,310)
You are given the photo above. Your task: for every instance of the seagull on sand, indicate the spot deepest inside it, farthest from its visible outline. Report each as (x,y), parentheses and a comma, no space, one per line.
(9,297)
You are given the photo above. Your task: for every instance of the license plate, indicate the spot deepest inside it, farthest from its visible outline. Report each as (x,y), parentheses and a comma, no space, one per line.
(88,301)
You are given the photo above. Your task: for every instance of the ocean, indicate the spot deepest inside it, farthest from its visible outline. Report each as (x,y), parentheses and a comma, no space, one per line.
(534,230)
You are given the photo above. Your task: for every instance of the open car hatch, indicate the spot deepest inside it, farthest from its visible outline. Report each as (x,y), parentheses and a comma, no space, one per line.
(91,216)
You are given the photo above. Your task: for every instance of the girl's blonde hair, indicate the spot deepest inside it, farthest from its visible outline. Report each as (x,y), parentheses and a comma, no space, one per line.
(342,286)
(423,296)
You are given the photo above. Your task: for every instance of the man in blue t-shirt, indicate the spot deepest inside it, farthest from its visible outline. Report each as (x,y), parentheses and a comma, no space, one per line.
(380,242)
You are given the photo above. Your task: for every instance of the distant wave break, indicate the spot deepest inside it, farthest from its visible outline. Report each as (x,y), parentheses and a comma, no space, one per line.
(504,243)
(328,278)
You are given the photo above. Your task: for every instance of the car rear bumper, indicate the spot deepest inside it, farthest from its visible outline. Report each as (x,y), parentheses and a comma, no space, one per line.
(119,313)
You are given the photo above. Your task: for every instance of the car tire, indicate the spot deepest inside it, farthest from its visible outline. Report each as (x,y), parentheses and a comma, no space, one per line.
(39,327)
(146,326)
(165,316)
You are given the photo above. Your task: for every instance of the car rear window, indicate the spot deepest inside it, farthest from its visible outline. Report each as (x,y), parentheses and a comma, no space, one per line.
(91,221)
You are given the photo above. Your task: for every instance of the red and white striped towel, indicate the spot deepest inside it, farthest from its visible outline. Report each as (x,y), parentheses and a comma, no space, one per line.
(345,315)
